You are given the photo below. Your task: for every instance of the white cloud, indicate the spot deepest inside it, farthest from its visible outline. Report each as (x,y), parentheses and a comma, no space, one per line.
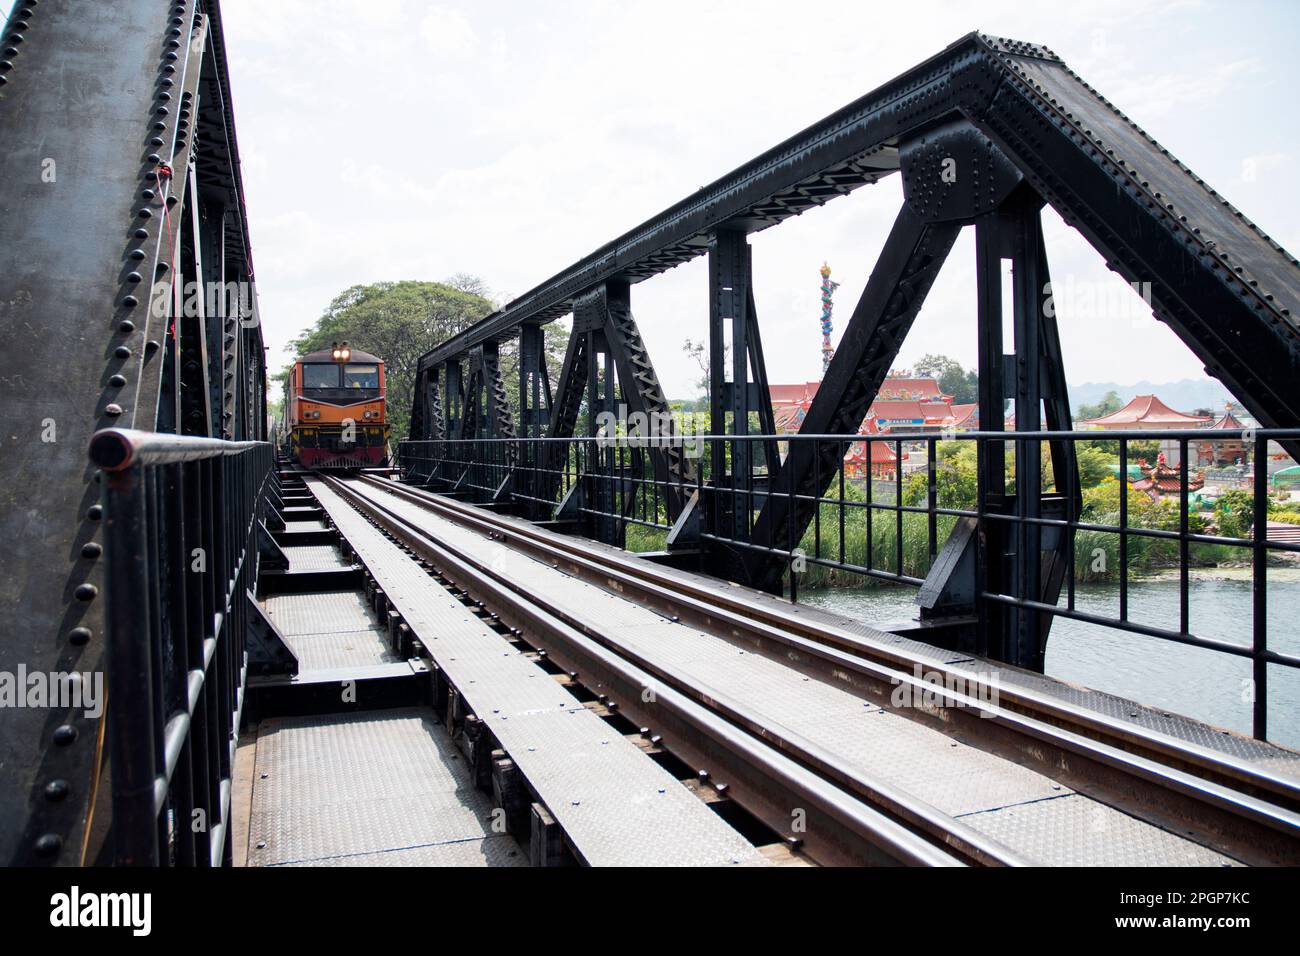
(447,33)
(404,140)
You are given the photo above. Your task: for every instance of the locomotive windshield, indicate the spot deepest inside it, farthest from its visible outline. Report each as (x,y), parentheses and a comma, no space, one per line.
(323,376)
(361,376)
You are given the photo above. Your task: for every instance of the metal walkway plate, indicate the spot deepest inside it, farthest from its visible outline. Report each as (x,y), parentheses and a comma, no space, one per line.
(314,557)
(616,806)
(368,789)
(950,775)
(330,630)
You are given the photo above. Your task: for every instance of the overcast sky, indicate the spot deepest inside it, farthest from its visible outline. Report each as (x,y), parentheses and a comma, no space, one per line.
(403,139)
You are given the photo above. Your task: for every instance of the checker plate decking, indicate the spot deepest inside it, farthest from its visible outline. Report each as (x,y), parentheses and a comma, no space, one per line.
(616,806)
(954,777)
(368,789)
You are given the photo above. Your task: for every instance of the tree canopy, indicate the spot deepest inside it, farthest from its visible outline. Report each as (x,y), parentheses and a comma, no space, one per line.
(1110,402)
(961,383)
(399,322)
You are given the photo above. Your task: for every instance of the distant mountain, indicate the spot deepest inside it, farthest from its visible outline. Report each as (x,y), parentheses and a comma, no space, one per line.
(1184,395)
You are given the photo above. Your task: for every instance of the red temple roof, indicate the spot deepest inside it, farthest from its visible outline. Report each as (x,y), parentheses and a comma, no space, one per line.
(1147,410)
(962,414)
(1228,422)
(1165,480)
(896,410)
(799,394)
(882,452)
(918,389)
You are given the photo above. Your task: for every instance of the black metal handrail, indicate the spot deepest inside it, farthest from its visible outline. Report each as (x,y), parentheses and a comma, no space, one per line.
(180,526)
(610,483)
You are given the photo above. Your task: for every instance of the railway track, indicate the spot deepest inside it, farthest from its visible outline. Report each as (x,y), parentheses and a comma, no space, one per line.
(1230,806)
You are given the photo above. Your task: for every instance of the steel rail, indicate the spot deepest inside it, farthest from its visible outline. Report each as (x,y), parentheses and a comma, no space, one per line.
(760,607)
(1201,787)
(714,730)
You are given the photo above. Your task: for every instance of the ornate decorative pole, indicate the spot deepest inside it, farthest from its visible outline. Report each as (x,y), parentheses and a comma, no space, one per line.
(828,291)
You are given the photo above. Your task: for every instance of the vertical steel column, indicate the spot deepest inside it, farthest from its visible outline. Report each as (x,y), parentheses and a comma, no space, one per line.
(734,397)
(602,466)
(534,383)
(130,669)
(1030,635)
(453,397)
(1020,559)
(534,411)
(728,309)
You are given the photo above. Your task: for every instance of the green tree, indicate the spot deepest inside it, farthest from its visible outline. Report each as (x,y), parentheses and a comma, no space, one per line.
(1094,466)
(1101,501)
(399,322)
(1234,513)
(1110,402)
(961,383)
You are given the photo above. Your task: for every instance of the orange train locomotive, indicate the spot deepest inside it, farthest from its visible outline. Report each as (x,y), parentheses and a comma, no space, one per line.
(334,409)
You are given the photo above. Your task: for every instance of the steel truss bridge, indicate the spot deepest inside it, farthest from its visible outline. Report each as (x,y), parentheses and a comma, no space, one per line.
(462,642)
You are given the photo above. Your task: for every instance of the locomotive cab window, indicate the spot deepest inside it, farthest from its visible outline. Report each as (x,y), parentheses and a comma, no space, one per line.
(321,376)
(361,376)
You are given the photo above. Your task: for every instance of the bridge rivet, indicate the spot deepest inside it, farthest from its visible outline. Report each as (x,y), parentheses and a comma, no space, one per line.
(126,326)
(116,381)
(57,789)
(133,277)
(131,301)
(91,550)
(95,512)
(79,636)
(65,734)
(150,346)
(85,592)
(49,844)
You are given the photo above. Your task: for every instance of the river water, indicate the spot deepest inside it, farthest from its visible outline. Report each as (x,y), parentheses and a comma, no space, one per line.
(1207,685)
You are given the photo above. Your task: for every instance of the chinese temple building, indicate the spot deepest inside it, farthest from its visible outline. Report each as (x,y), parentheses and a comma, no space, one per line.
(1164,480)
(903,404)
(884,456)
(1146,411)
(1225,451)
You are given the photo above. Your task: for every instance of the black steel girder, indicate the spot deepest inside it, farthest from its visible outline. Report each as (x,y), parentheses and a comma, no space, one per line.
(1226,289)
(93,102)
(908,264)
